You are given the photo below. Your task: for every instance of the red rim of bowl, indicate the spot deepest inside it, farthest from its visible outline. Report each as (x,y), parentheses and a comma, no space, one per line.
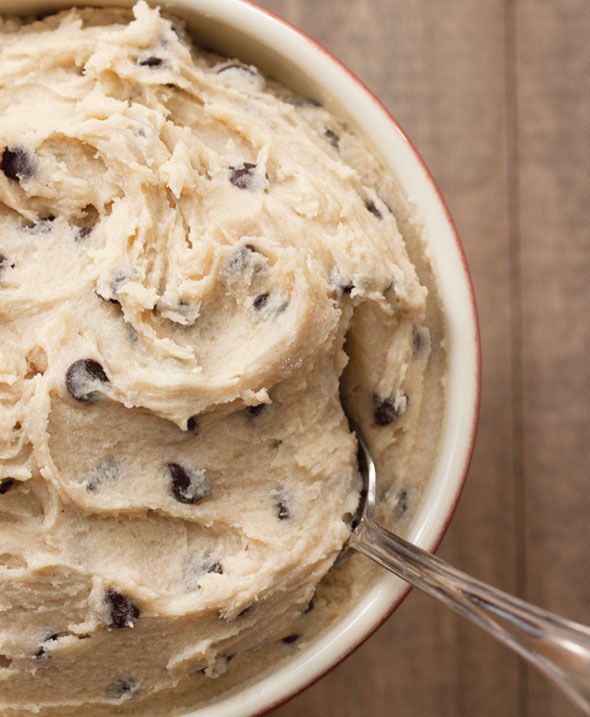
(473,428)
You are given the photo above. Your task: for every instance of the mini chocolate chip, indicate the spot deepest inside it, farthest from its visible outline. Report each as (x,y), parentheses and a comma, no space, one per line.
(152,61)
(123,687)
(289,639)
(16,164)
(402,504)
(260,301)
(241,177)
(123,613)
(384,413)
(83,232)
(283,512)
(41,655)
(237,66)
(188,486)
(387,410)
(217,567)
(82,377)
(192,425)
(6,484)
(254,411)
(347,288)
(332,137)
(309,607)
(373,209)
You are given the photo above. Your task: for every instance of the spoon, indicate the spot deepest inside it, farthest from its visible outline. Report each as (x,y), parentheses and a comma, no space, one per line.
(559,648)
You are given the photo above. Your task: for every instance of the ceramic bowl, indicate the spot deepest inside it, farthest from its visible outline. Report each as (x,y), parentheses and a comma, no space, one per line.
(241,29)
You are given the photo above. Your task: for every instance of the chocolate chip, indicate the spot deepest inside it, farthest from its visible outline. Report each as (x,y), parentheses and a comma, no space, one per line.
(289,639)
(283,512)
(188,486)
(254,411)
(217,567)
(123,613)
(122,687)
(237,66)
(402,504)
(387,410)
(151,61)
(6,484)
(241,177)
(41,655)
(260,301)
(82,378)
(373,209)
(192,425)
(16,164)
(332,137)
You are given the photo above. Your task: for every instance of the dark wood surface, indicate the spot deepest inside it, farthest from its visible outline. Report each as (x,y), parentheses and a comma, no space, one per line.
(496,95)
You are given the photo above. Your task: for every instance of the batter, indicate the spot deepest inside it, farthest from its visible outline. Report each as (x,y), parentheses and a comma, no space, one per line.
(194,265)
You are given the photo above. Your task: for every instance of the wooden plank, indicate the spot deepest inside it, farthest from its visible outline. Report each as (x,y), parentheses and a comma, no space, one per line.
(553,80)
(441,68)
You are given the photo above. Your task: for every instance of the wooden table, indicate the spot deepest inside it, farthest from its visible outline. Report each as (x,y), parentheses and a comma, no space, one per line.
(496,95)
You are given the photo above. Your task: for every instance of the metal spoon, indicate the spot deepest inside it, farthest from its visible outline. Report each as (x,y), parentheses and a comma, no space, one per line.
(559,648)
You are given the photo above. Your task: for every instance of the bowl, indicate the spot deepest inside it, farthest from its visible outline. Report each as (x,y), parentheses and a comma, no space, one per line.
(240,28)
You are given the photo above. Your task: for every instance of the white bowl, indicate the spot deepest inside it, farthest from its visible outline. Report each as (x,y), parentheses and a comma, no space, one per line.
(240,28)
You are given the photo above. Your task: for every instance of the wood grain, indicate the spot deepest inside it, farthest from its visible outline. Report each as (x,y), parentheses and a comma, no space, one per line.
(553,80)
(496,95)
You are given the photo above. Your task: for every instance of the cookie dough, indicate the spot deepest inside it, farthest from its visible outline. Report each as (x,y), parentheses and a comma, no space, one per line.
(192,275)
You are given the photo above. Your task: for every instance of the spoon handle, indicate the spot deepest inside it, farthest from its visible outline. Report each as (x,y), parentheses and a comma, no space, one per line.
(556,646)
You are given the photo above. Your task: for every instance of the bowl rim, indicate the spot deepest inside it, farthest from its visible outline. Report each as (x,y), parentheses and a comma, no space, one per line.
(220,705)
